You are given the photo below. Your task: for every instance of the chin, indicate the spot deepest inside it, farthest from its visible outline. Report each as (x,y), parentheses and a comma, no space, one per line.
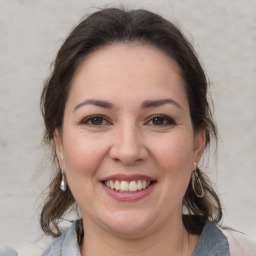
(128,223)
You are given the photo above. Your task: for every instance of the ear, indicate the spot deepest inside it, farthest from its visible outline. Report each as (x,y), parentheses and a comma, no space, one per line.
(59,147)
(199,144)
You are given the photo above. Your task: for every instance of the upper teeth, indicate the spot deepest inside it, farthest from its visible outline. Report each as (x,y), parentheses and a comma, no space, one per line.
(126,186)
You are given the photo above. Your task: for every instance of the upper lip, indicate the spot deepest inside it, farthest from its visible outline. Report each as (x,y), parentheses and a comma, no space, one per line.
(125,177)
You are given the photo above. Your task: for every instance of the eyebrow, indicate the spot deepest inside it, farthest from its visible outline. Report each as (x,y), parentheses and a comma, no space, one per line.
(145,104)
(160,102)
(99,103)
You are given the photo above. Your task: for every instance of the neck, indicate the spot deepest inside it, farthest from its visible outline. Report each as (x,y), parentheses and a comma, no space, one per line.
(170,240)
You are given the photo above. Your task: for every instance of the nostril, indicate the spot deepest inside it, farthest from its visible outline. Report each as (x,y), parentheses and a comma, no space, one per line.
(128,154)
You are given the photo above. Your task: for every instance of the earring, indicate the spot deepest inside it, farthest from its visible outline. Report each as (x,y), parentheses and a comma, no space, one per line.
(196,178)
(63,183)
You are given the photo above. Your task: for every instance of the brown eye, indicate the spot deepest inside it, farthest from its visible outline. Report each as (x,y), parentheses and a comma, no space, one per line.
(95,120)
(158,120)
(161,120)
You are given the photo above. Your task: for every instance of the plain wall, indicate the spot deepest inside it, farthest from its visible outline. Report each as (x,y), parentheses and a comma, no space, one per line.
(224,36)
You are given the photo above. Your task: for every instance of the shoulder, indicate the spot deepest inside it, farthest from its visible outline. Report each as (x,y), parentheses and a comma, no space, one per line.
(7,251)
(224,242)
(240,244)
(212,242)
(65,245)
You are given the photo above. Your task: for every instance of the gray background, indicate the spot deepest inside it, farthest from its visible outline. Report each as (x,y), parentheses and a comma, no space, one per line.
(224,35)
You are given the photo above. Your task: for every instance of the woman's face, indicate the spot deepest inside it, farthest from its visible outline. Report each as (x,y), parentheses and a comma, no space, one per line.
(127,144)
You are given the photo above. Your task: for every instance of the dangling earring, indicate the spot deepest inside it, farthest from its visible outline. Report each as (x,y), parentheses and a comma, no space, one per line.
(63,183)
(196,178)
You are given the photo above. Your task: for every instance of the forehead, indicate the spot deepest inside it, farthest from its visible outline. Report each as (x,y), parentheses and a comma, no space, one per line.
(127,69)
(129,54)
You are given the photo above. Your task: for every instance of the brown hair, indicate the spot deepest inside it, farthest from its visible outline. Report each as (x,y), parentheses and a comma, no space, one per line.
(112,25)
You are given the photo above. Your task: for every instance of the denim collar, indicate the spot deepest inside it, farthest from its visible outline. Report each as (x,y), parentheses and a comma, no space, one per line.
(65,245)
(212,242)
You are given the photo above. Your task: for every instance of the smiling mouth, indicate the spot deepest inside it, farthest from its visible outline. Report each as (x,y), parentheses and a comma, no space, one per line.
(127,186)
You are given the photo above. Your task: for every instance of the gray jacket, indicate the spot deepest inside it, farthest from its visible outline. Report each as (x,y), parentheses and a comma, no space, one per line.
(212,242)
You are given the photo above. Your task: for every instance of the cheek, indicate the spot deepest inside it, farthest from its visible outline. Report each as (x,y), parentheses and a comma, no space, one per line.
(82,155)
(176,152)
(174,157)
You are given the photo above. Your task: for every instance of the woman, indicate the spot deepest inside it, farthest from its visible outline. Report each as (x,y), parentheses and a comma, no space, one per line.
(126,113)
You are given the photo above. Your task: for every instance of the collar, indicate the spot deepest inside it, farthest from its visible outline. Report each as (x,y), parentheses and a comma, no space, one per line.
(212,242)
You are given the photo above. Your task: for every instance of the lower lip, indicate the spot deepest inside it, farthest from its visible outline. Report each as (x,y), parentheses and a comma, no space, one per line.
(131,196)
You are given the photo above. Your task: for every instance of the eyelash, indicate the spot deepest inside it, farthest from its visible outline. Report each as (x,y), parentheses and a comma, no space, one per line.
(164,120)
(94,117)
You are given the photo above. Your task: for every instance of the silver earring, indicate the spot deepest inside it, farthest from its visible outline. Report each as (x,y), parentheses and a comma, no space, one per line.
(196,178)
(63,183)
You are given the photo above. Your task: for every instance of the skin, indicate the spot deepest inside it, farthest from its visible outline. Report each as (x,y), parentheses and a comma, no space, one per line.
(128,139)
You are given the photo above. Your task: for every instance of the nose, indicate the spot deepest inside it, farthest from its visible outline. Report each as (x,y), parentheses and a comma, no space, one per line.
(128,146)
